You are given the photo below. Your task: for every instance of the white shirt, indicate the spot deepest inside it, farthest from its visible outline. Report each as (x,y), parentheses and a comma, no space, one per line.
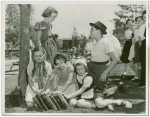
(128,34)
(86,83)
(136,35)
(141,32)
(107,44)
(89,45)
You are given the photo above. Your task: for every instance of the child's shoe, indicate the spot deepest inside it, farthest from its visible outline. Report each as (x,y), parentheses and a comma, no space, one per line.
(110,107)
(127,104)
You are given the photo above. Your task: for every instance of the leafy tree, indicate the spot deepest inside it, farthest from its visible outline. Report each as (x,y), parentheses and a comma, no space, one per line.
(12,23)
(127,12)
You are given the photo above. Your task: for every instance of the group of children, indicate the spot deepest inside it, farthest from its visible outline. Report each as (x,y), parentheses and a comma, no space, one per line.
(73,81)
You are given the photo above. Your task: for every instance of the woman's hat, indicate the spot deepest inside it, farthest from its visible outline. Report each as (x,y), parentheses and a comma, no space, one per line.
(100,26)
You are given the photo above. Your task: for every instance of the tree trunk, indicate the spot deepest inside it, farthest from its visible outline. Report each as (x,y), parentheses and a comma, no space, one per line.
(24,46)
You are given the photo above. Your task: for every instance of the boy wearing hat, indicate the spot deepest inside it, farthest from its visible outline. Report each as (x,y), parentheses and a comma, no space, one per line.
(104,56)
(105,53)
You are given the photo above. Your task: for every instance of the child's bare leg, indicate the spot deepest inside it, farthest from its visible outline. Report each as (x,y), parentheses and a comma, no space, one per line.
(85,104)
(72,102)
(101,103)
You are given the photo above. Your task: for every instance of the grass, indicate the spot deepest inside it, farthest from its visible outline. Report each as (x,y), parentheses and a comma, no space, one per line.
(134,94)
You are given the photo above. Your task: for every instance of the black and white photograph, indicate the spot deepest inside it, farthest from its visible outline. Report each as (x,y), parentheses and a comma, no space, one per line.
(75,58)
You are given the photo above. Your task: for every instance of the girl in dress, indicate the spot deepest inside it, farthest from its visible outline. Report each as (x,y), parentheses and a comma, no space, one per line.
(87,97)
(134,56)
(45,38)
(38,70)
(62,77)
(127,45)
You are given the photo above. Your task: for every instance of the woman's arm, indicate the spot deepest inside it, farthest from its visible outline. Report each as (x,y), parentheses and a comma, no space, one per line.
(113,63)
(70,76)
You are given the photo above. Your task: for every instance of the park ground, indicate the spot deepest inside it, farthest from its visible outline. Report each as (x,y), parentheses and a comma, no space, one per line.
(134,94)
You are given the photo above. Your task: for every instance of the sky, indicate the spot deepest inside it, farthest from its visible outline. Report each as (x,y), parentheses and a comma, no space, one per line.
(78,15)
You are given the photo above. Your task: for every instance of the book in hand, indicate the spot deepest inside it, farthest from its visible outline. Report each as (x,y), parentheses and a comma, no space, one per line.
(37,103)
(64,101)
(55,102)
(38,96)
(46,101)
(59,101)
(51,103)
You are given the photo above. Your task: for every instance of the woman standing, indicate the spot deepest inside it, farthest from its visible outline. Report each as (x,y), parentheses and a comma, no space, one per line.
(45,38)
(134,55)
(127,45)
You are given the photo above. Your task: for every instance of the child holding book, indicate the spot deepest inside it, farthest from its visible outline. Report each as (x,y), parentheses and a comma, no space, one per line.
(38,70)
(87,96)
(62,76)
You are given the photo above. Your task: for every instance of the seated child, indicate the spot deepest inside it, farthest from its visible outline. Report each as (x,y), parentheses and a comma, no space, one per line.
(87,97)
(62,77)
(38,70)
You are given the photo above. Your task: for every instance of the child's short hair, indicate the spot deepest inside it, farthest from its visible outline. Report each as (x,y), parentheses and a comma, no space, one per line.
(42,50)
(48,11)
(60,56)
(79,64)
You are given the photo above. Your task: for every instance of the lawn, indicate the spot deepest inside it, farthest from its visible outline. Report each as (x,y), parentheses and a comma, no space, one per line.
(134,94)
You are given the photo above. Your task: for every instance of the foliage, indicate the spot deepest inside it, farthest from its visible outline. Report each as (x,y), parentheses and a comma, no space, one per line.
(12,23)
(127,12)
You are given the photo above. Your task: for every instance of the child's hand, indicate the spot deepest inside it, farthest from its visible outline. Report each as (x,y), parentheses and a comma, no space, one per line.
(47,92)
(39,91)
(59,92)
(66,96)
